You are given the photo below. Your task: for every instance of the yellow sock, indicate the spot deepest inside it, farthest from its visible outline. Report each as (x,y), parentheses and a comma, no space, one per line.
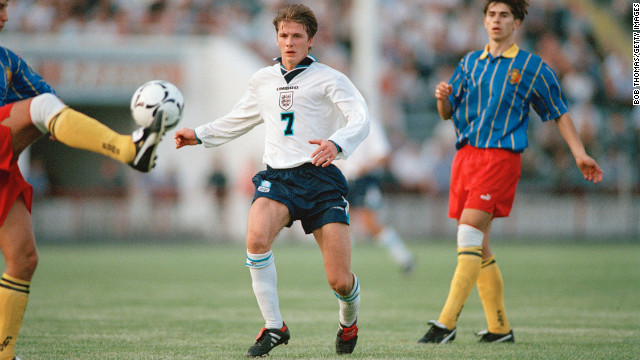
(490,287)
(464,279)
(13,301)
(80,131)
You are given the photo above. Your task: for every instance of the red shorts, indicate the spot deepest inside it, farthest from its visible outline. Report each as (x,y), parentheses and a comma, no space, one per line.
(12,183)
(483,179)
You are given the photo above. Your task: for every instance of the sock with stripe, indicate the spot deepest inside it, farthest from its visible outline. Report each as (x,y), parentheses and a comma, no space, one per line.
(465,275)
(490,289)
(349,304)
(264,280)
(14,294)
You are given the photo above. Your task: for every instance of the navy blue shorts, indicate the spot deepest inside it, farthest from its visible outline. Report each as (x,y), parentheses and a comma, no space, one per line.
(314,195)
(365,192)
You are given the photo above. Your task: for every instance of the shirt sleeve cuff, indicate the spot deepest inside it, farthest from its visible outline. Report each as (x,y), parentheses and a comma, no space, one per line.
(337,146)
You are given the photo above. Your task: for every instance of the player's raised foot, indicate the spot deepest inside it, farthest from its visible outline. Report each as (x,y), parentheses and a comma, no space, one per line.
(438,334)
(487,337)
(146,140)
(346,338)
(268,339)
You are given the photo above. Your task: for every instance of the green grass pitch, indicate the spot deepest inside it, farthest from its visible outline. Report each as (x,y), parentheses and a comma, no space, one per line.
(194,301)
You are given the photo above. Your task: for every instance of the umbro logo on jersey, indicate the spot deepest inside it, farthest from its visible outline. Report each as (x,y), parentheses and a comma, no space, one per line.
(286,100)
(486,197)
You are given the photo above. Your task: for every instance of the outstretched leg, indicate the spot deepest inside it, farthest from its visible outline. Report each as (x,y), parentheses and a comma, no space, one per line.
(80,131)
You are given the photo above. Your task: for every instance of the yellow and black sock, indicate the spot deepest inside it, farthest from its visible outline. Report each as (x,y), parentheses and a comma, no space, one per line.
(490,289)
(80,131)
(13,302)
(464,279)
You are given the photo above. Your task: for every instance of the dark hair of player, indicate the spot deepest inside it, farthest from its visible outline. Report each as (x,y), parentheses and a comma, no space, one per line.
(518,7)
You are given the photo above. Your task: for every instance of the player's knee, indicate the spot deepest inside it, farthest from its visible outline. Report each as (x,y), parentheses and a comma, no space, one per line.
(258,247)
(31,263)
(257,242)
(469,236)
(43,107)
(24,265)
(342,285)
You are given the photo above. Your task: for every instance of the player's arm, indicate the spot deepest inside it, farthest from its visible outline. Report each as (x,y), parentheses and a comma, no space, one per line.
(442,93)
(547,92)
(217,132)
(351,103)
(588,166)
(445,102)
(25,82)
(244,116)
(185,137)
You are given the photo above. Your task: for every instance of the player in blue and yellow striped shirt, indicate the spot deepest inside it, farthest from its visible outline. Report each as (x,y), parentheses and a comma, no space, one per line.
(492,94)
(28,109)
(488,99)
(19,81)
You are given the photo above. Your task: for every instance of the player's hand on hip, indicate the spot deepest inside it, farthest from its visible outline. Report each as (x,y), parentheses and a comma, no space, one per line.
(324,154)
(184,137)
(589,168)
(443,90)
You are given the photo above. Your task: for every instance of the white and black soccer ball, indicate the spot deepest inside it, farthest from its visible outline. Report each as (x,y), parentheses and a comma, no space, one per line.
(153,96)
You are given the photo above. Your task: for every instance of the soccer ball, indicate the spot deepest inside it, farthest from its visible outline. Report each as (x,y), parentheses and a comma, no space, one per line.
(153,96)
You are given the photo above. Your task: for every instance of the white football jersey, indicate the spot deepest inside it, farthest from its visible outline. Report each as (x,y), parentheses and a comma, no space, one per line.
(369,155)
(317,103)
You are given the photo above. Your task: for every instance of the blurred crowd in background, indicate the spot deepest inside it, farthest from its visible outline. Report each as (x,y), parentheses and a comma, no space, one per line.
(422,42)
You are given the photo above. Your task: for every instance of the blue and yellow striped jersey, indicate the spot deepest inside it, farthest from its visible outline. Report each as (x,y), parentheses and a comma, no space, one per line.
(491,98)
(19,81)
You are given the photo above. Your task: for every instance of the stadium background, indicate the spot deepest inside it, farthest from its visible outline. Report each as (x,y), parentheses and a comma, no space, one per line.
(95,53)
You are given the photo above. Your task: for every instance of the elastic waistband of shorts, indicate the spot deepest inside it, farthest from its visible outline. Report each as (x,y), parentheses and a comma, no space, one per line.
(476,149)
(305,166)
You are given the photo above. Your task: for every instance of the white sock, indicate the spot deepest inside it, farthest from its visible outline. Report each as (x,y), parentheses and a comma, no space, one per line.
(350,304)
(43,107)
(392,241)
(265,280)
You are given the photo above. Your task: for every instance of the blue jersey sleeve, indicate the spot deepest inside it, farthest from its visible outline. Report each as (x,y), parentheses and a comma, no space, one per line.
(19,81)
(457,84)
(547,99)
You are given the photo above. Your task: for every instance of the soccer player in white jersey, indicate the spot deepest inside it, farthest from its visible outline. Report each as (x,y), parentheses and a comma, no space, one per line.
(363,171)
(313,115)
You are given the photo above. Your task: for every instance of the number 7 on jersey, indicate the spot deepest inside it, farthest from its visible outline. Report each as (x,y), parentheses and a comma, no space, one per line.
(288,117)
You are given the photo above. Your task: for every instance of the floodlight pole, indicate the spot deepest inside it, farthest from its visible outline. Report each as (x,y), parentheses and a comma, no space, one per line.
(365,39)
